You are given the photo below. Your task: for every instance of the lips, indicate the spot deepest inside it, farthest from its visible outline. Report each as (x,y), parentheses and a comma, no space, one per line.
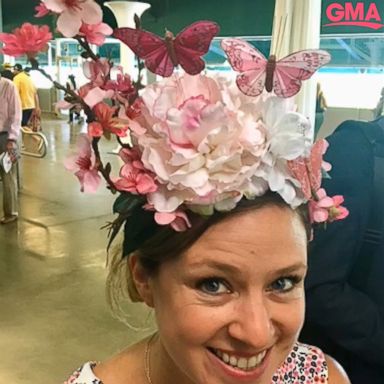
(242,363)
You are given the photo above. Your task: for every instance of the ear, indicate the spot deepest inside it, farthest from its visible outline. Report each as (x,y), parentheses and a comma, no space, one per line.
(141,280)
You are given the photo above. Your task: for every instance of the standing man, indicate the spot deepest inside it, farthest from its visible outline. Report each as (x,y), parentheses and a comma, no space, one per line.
(10,119)
(345,283)
(27,93)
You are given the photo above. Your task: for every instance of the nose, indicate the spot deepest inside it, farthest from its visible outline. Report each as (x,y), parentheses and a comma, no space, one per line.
(252,323)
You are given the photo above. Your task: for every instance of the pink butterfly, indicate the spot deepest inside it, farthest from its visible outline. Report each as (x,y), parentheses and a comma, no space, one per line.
(161,56)
(283,76)
(308,170)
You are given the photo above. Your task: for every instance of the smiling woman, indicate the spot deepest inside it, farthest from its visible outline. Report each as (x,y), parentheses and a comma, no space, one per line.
(228,297)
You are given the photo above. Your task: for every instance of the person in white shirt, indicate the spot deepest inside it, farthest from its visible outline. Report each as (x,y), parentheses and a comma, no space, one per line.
(10,126)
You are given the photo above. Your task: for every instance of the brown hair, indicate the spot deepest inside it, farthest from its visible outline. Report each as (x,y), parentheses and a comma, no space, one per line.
(166,244)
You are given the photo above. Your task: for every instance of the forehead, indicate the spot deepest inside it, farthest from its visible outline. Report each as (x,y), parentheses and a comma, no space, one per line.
(271,236)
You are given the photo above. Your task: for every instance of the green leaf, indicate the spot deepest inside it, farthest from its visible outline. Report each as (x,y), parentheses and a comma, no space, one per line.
(126,202)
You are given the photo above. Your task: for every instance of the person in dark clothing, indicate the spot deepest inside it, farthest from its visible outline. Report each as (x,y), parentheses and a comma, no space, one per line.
(345,281)
(71,84)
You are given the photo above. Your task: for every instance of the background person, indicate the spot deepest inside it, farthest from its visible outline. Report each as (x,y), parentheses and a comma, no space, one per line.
(73,111)
(6,71)
(27,92)
(345,285)
(10,119)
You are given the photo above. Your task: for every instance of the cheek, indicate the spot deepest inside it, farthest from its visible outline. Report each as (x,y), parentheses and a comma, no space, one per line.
(181,316)
(290,318)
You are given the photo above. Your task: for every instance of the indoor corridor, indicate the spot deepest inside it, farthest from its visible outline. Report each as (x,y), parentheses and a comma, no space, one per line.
(53,312)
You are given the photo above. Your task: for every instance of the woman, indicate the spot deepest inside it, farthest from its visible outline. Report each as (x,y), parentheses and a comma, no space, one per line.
(223,258)
(228,297)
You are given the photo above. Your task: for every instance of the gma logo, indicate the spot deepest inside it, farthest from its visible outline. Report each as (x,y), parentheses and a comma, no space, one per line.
(354,14)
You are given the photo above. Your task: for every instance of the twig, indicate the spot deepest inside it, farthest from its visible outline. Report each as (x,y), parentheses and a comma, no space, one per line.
(103,170)
(84,44)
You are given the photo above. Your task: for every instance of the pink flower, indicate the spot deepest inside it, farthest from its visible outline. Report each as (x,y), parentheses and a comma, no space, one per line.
(84,165)
(196,143)
(338,212)
(122,84)
(105,116)
(72,13)
(28,39)
(178,220)
(327,208)
(134,181)
(95,33)
(95,129)
(41,10)
(134,177)
(131,156)
(96,95)
(97,71)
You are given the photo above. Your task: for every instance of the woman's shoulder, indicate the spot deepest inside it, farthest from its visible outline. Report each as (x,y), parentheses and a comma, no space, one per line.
(124,367)
(307,363)
(336,373)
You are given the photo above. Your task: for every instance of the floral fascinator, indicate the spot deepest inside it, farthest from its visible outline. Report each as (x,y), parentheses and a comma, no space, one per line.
(198,142)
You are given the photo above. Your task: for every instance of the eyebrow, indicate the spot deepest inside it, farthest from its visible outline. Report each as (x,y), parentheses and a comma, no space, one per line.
(228,268)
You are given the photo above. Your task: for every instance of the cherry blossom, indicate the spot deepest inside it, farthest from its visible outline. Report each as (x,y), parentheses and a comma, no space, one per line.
(327,208)
(29,39)
(84,165)
(105,116)
(41,10)
(95,33)
(72,13)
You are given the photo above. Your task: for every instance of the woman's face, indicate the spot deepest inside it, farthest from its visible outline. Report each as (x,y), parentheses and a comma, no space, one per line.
(230,309)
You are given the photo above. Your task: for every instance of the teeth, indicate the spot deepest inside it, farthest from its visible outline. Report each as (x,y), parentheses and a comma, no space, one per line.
(252,362)
(241,362)
(233,361)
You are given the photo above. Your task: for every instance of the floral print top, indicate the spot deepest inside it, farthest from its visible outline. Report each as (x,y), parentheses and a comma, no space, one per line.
(304,365)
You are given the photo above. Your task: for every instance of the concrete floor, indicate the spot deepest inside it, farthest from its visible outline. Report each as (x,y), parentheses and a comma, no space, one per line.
(53,313)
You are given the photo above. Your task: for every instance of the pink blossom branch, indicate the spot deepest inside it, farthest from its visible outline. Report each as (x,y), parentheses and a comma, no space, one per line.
(123,145)
(104,170)
(84,44)
(75,97)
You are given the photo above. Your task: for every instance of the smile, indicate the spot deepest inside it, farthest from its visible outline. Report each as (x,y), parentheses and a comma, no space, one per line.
(242,363)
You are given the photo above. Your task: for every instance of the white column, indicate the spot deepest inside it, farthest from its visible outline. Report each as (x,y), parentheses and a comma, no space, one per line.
(124,12)
(297,27)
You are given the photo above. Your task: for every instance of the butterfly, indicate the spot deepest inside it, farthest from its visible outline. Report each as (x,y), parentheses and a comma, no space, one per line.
(307,170)
(161,56)
(282,76)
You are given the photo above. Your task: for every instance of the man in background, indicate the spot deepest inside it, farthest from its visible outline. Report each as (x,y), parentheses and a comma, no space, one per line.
(345,281)
(27,93)
(10,125)
(7,71)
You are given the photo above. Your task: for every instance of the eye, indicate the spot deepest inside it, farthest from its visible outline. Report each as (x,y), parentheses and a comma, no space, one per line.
(213,286)
(285,284)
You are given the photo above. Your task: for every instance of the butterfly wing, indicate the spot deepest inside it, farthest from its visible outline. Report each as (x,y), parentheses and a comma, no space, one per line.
(251,64)
(314,164)
(308,170)
(192,43)
(298,169)
(149,47)
(294,68)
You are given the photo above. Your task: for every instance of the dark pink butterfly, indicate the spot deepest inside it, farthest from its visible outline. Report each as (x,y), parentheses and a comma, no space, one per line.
(308,170)
(161,56)
(282,76)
